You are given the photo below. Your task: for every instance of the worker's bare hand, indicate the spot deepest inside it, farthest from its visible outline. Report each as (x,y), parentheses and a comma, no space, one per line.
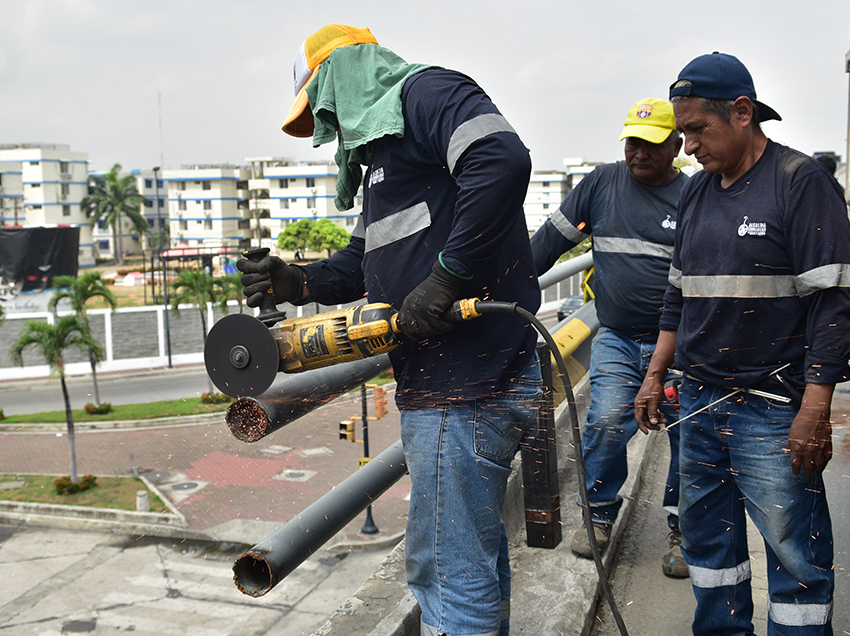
(810,439)
(647,415)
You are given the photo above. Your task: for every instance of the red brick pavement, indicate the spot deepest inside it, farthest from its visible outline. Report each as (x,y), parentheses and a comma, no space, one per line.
(240,476)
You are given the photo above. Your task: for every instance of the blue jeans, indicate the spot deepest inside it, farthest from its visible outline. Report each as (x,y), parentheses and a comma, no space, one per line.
(456,548)
(733,460)
(618,365)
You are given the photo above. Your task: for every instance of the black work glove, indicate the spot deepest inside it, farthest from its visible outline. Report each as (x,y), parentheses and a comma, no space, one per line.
(271,273)
(422,311)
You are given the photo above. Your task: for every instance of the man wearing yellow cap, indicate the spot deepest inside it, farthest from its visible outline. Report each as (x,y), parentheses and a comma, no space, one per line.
(629,208)
(445,180)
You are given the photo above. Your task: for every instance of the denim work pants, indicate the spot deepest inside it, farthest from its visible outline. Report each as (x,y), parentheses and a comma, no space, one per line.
(618,365)
(733,460)
(456,550)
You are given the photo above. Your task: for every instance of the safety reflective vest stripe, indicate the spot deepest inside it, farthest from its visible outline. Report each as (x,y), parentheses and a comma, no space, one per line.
(570,231)
(708,578)
(836,275)
(615,245)
(799,615)
(397,226)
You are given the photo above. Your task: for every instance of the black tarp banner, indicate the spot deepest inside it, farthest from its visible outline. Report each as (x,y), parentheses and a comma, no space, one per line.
(31,257)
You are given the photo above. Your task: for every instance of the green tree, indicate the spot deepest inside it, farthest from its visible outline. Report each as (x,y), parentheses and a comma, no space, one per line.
(296,236)
(52,341)
(327,235)
(110,197)
(229,287)
(78,291)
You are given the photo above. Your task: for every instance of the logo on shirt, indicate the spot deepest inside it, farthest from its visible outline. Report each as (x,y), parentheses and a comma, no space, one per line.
(668,223)
(376,176)
(644,111)
(751,229)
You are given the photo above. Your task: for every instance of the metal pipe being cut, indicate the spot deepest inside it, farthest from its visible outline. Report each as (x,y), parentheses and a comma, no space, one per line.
(270,561)
(292,396)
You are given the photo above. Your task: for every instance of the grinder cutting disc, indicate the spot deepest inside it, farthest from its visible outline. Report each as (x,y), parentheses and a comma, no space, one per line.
(241,356)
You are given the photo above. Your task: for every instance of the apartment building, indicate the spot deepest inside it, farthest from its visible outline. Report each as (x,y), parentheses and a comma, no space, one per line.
(11,194)
(284,191)
(54,182)
(546,190)
(208,206)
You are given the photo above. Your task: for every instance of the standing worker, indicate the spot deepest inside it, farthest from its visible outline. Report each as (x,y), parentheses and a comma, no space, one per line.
(629,208)
(442,219)
(757,315)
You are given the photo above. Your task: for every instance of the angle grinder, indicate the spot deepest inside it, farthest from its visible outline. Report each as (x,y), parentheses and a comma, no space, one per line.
(243,354)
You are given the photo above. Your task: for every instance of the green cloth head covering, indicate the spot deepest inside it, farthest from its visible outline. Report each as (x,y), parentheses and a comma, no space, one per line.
(356,98)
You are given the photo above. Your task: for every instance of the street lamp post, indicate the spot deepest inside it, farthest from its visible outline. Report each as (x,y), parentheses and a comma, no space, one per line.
(162,264)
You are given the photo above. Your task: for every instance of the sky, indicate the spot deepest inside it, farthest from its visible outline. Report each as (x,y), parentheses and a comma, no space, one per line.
(177,82)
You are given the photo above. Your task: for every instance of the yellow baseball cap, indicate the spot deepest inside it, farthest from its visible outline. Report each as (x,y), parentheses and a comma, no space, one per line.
(315,50)
(650,119)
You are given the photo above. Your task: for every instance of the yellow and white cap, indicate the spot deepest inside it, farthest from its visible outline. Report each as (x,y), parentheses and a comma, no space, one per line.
(650,119)
(315,50)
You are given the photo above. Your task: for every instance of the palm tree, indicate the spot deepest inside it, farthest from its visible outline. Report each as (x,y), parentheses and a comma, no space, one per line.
(111,196)
(51,342)
(193,287)
(79,291)
(229,286)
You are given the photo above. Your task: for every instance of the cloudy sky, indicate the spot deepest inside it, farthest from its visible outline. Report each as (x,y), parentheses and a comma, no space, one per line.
(92,73)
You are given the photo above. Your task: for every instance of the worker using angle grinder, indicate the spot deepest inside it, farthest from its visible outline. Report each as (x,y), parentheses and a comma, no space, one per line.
(445,179)
(629,210)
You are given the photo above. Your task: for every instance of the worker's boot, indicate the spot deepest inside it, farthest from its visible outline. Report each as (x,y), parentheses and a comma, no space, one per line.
(581,544)
(673,564)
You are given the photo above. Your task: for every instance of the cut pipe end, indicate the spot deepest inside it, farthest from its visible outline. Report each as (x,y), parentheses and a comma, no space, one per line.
(252,575)
(248,421)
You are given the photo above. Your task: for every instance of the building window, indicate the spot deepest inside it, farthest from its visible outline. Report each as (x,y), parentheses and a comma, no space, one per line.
(350,220)
(161,203)
(33,163)
(208,205)
(159,183)
(207,225)
(66,189)
(66,210)
(148,203)
(184,225)
(63,166)
(103,246)
(151,223)
(311,204)
(148,183)
(545,184)
(310,182)
(545,206)
(283,183)
(205,185)
(284,204)
(35,185)
(181,205)
(100,224)
(181,185)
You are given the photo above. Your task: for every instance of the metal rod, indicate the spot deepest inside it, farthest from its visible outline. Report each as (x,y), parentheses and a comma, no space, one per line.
(270,561)
(294,395)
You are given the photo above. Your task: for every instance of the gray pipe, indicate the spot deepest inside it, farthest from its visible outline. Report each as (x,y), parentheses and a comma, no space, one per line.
(270,561)
(294,395)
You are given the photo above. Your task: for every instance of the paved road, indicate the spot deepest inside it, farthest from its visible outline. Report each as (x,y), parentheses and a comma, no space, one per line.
(651,603)
(20,398)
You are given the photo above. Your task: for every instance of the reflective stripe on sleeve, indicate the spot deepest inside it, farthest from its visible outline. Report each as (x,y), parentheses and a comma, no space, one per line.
(799,615)
(675,277)
(738,286)
(471,131)
(359,230)
(833,275)
(397,226)
(631,246)
(567,229)
(708,578)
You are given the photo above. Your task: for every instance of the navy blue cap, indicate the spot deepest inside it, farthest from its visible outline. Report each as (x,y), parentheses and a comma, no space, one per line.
(720,76)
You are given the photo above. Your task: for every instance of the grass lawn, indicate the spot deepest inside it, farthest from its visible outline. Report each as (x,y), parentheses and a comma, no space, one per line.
(148,410)
(109,492)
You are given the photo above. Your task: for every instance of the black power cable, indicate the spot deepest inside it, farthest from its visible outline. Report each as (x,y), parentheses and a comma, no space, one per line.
(495,307)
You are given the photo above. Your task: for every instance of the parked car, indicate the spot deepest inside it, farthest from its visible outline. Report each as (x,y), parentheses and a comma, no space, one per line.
(570,305)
